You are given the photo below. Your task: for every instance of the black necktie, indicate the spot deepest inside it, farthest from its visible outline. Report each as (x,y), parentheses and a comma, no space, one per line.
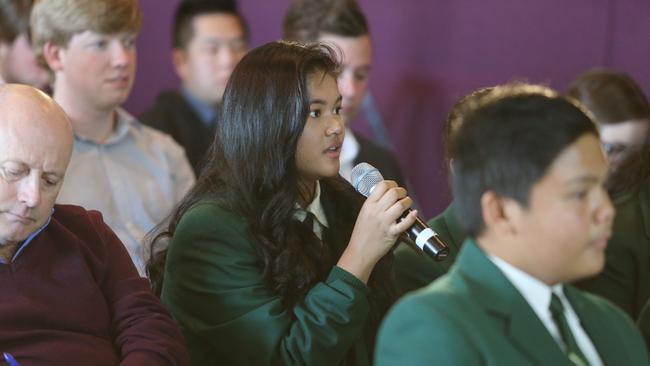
(572,350)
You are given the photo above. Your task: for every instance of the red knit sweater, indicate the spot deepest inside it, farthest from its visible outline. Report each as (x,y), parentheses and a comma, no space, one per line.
(73,297)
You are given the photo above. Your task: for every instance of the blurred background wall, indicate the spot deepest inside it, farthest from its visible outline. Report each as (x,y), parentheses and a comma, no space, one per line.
(428,53)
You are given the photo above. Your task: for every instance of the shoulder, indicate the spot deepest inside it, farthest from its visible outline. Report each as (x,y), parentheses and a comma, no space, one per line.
(170,113)
(86,230)
(79,221)
(369,147)
(597,307)
(444,297)
(210,212)
(436,315)
(595,303)
(207,223)
(166,102)
(152,140)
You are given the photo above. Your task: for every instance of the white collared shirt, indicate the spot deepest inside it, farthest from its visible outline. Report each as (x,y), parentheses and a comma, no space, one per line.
(538,295)
(316,209)
(135,178)
(349,153)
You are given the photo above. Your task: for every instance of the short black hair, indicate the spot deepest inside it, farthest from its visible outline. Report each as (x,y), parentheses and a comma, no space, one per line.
(308,20)
(187,10)
(507,143)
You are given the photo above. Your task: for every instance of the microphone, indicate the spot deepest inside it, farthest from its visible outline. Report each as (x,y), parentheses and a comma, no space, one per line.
(364,177)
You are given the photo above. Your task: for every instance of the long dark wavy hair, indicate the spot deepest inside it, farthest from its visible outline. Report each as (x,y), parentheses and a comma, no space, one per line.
(251,170)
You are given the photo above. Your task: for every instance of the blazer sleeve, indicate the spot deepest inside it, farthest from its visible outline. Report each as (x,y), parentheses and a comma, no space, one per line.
(414,269)
(215,289)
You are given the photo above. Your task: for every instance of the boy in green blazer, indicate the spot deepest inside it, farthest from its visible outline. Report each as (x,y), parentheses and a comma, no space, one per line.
(528,182)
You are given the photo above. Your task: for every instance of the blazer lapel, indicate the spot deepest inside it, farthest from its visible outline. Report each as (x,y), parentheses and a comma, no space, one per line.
(596,327)
(506,305)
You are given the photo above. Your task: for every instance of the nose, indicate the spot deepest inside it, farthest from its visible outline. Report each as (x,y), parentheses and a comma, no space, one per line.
(30,191)
(347,86)
(121,54)
(606,211)
(335,126)
(226,57)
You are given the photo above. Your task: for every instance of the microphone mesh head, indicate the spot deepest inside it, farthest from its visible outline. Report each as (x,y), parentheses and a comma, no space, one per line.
(364,177)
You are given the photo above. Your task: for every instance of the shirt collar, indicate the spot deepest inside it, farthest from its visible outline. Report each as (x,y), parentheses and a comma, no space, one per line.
(206,111)
(124,125)
(315,207)
(29,239)
(534,291)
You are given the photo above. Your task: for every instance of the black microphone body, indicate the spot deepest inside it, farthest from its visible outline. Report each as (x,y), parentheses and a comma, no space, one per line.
(364,179)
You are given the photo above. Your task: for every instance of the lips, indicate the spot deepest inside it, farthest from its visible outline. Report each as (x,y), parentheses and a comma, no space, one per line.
(121,81)
(602,241)
(334,151)
(22,218)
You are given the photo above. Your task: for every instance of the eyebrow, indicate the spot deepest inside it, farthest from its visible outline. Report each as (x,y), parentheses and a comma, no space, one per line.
(584,179)
(320,101)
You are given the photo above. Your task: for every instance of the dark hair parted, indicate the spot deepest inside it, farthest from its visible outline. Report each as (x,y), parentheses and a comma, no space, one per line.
(507,143)
(188,10)
(308,20)
(251,170)
(14,19)
(610,96)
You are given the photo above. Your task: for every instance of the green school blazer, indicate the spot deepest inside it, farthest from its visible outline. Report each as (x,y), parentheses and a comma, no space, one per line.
(625,280)
(644,324)
(474,316)
(414,269)
(215,290)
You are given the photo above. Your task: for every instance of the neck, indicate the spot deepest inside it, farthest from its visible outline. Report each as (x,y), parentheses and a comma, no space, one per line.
(7,250)
(518,256)
(88,123)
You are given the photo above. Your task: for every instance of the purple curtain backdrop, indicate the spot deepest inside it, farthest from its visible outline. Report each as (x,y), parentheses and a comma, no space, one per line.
(428,53)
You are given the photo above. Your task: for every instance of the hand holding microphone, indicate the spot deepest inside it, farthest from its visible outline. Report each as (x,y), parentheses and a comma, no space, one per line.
(376,229)
(365,178)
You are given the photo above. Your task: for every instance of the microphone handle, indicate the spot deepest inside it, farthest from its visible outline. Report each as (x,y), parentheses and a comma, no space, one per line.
(426,239)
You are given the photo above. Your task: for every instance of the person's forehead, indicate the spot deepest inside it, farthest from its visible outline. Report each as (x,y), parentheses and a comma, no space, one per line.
(356,50)
(584,158)
(91,34)
(627,130)
(220,23)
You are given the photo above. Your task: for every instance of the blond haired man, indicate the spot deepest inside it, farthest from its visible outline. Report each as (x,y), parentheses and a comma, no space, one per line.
(133,174)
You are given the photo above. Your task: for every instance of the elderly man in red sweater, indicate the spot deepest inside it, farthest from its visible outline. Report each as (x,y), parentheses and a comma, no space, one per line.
(70,293)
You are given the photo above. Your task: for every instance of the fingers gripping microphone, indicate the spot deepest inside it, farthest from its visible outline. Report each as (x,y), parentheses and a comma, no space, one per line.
(364,178)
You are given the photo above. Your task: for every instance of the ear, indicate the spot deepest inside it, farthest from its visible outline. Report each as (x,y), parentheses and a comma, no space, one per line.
(54,55)
(179,59)
(500,214)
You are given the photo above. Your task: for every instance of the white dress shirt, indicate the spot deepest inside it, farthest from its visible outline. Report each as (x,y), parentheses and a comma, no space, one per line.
(538,295)
(134,179)
(316,209)
(349,153)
